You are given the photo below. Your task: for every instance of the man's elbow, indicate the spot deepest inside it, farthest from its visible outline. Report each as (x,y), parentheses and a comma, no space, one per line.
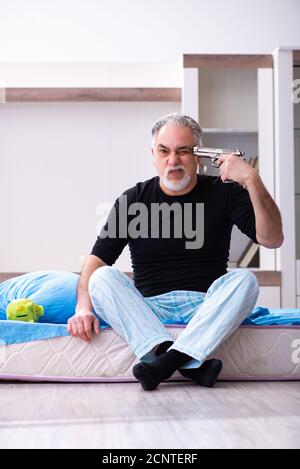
(276,244)
(272,244)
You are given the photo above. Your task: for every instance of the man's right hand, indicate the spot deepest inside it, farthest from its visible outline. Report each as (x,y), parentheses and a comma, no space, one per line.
(82,324)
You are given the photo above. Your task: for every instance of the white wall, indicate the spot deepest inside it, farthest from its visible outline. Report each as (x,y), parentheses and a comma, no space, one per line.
(142,74)
(58,162)
(142,30)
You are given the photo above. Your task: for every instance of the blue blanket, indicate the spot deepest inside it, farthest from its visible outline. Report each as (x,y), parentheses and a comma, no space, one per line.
(56,291)
(13,332)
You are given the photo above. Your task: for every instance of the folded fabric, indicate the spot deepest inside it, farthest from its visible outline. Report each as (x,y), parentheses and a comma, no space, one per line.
(266,317)
(14,332)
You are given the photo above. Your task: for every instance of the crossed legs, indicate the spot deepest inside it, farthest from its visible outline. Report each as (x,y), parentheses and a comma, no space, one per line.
(229,300)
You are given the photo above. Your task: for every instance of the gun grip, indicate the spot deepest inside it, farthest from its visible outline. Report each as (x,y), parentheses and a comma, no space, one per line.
(230,181)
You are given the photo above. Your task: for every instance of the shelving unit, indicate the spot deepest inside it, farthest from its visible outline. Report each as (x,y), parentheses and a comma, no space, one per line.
(214,93)
(217,83)
(218,87)
(296,74)
(229,131)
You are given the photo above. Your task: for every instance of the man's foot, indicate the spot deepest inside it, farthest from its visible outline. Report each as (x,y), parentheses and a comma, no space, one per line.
(206,375)
(162,367)
(144,373)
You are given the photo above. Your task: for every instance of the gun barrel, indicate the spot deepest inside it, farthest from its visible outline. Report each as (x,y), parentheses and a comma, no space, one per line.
(207,152)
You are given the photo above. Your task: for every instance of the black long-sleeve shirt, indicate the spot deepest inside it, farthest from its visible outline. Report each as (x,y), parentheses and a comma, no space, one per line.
(164,264)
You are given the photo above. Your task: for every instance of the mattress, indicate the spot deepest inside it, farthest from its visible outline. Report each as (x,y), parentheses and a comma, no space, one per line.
(251,353)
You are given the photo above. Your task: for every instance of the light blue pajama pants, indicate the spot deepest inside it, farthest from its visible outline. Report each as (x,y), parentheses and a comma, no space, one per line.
(210,317)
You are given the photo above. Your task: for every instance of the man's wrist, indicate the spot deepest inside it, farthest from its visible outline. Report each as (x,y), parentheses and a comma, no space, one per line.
(251,179)
(81,309)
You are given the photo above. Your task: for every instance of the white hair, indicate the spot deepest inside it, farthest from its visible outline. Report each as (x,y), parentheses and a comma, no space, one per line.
(176,185)
(182,121)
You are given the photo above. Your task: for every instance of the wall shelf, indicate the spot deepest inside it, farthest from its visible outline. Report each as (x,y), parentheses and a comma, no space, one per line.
(229,131)
(19,95)
(227,61)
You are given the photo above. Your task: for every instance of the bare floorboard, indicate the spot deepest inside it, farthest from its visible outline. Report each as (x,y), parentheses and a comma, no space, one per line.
(176,415)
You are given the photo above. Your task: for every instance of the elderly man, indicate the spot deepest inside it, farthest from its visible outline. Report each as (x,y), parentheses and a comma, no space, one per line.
(176,279)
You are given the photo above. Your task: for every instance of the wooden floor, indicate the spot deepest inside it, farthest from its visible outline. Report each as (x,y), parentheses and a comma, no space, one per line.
(176,415)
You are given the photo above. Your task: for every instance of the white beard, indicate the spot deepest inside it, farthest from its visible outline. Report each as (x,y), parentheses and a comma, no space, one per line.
(176,186)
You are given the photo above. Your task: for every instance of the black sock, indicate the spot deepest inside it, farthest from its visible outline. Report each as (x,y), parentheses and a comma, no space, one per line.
(163,347)
(206,375)
(151,374)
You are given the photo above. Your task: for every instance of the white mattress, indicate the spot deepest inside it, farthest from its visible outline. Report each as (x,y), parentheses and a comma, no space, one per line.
(251,353)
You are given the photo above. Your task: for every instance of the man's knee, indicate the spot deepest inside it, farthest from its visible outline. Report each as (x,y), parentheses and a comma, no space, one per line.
(249,278)
(105,275)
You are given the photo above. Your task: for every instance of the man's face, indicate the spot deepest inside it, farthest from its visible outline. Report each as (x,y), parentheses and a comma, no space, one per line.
(173,158)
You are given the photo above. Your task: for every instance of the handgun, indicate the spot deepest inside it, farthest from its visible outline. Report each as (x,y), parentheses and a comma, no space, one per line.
(214,154)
